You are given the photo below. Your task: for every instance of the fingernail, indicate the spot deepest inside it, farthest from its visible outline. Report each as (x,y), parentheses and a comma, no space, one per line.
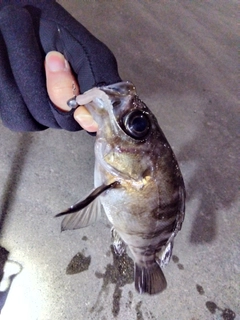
(86,120)
(56,62)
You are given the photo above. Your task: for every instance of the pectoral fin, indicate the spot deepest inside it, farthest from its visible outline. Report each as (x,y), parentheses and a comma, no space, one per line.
(86,211)
(118,244)
(82,218)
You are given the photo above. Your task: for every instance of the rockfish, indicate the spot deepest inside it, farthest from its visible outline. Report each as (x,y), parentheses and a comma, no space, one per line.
(137,181)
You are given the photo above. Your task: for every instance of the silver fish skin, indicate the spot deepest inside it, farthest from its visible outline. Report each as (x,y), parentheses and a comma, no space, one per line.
(137,180)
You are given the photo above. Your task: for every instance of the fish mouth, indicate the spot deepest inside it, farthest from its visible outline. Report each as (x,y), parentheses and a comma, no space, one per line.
(120,94)
(120,89)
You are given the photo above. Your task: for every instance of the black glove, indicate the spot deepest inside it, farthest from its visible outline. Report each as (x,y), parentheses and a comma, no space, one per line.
(28,31)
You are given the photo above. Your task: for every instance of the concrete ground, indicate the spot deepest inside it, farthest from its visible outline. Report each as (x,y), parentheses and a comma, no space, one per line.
(182,57)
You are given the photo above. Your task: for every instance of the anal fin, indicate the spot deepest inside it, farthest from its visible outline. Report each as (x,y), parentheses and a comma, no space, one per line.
(118,244)
(165,254)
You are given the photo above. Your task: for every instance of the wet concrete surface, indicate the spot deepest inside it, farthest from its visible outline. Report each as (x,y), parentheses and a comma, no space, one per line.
(182,57)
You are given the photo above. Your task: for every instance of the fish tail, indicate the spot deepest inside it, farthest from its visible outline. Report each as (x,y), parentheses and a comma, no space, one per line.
(149,279)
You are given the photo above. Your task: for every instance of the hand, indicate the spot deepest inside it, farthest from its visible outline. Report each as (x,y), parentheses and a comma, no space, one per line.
(38,28)
(60,84)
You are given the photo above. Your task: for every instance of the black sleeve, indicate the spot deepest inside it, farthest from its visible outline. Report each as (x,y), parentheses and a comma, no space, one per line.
(28,31)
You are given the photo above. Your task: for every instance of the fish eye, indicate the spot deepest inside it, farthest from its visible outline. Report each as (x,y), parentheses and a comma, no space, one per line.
(137,124)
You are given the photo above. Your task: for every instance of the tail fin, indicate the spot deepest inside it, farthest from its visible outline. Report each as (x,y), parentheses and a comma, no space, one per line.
(149,280)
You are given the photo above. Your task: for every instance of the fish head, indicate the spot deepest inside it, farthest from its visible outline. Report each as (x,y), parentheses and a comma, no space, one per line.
(128,115)
(130,145)
(127,128)
(118,111)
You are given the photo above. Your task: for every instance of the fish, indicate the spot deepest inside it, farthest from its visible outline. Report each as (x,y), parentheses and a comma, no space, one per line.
(137,181)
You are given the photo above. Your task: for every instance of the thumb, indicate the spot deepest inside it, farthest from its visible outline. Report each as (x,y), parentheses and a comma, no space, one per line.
(61,85)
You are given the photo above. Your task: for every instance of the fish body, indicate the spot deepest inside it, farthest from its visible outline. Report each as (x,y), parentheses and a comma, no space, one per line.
(138,182)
